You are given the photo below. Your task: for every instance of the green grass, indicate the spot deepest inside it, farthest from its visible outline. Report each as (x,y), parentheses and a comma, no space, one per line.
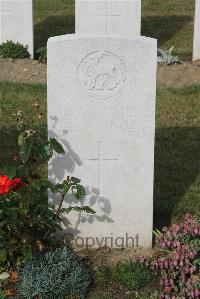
(177,154)
(132,275)
(53,17)
(127,277)
(177,144)
(14,97)
(171,22)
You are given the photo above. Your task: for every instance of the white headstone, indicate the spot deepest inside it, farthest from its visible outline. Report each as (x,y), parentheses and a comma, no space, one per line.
(16,22)
(101,107)
(196,45)
(108,16)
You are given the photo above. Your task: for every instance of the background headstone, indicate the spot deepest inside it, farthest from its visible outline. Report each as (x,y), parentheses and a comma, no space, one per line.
(101,107)
(16,22)
(196,45)
(108,16)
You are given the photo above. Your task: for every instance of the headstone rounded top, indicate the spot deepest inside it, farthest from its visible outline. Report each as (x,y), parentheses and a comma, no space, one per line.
(105,37)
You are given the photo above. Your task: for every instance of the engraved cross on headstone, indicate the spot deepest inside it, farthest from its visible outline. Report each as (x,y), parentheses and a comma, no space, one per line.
(122,17)
(107,16)
(100,160)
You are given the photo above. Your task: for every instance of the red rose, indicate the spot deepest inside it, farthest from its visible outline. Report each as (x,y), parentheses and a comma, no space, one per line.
(17,184)
(5,185)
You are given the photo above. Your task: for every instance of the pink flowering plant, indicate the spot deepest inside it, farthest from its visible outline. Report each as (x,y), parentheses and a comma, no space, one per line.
(178,259)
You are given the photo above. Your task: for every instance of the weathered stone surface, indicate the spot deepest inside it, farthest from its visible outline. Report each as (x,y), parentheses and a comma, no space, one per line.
(101,107)
(16,22)
(108,16)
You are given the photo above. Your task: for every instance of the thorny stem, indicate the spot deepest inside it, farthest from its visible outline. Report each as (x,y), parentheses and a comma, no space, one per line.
(30,190)
(29,196)
(28,202)
(79,217)
(57,213)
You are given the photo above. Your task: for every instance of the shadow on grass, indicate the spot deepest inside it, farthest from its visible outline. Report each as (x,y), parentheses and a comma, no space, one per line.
(163,28)
(53,26)
(177,161)
(160,27)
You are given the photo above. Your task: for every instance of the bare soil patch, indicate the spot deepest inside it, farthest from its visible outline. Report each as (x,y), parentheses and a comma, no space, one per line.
(31,71)
(105,256)
(179,75)
(23,70)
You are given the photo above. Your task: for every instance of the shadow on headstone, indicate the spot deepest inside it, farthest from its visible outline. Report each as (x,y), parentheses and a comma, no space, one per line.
(93,200)
(59,165)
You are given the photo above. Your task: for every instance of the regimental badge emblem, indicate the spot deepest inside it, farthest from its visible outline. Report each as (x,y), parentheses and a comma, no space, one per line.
(101,75)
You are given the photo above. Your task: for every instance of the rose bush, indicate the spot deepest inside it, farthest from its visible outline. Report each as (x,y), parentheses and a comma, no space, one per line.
(6,184)
(28,222)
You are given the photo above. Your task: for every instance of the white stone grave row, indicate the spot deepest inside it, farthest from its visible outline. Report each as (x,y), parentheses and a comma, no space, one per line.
(16,22)
(103,16)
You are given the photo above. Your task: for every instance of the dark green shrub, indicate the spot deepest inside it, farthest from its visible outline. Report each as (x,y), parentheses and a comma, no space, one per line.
(55,274)
(13,50)
(42,54)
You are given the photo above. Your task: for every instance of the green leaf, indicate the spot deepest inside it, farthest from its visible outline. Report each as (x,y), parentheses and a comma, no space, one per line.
(88,210)
(66,188)
(3,223)
(68,210)
(21,138)
(3,255)
(49,151)
(80,192)
(56,146)
(22,170)
(78,209)
(157,233)
(10,171)
(12,213)
(36,185)
(25,151)
(75,180)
